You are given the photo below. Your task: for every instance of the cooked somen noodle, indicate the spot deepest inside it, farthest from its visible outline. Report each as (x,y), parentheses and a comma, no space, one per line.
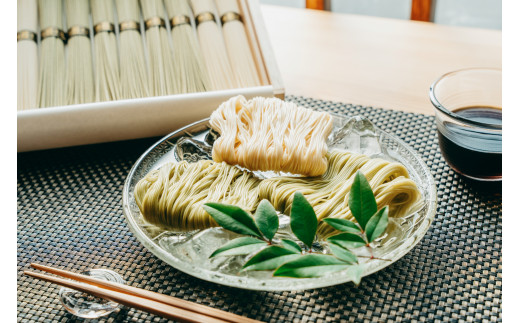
(270,134)
(329,194)
(172,196)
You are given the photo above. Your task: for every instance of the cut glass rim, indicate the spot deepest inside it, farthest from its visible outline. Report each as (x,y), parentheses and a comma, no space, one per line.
(440,107)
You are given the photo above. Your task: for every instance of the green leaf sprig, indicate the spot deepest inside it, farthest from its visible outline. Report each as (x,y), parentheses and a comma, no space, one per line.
(371,222)
(286,258)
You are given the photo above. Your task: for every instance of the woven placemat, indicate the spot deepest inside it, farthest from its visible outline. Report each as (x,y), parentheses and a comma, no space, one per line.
(70,216)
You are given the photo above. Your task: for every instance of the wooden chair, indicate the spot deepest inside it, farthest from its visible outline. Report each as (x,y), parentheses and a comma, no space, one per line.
(421,9)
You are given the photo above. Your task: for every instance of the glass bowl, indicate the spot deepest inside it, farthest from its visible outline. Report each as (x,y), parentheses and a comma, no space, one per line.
(468,113)
(88,306)
(189,251)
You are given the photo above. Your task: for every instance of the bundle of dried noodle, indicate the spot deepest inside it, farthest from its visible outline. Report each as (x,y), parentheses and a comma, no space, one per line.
(134,74)
(191,73)
(213,48)
(51,90)
(107,81)
(162,71)
(270,134)
(237,44)
(27,55)
(80,78)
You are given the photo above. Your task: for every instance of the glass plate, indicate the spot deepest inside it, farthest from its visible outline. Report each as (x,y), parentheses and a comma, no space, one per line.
(189,251)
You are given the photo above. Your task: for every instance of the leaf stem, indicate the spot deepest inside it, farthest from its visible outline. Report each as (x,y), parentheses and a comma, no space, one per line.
(372,257)
(371,251)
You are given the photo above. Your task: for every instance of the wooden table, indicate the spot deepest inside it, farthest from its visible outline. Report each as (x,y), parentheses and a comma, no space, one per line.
(373,61)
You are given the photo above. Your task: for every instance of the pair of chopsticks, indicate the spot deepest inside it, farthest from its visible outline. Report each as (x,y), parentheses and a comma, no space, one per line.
(159,304)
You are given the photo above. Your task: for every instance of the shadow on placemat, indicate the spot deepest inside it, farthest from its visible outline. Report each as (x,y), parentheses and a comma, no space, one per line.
(70,216)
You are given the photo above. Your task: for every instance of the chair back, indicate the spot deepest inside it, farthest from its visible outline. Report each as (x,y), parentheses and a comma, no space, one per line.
(421,9)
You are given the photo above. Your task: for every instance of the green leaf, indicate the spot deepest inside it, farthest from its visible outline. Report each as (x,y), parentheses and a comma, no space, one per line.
(270,258)
(356,271)
(304,222)
(361,200)
(266,219)
(377,224)
(347,240)
(232,218)
(342,225)
(343,254)
(310,265)
(239,246)
(291,245)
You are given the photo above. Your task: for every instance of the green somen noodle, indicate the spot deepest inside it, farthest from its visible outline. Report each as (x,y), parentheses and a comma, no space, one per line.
(172,196)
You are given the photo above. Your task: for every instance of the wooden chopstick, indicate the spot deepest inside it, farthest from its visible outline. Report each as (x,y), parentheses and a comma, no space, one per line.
(160,304)
(154,307)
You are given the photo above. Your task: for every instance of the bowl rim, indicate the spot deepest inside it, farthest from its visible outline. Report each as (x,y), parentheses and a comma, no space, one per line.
(440,108)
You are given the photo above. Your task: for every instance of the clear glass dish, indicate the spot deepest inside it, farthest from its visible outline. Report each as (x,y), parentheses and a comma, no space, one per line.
(189,251)
(87,306)
(468,113)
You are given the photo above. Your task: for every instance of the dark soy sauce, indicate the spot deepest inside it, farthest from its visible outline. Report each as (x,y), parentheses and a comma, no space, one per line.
(472,152)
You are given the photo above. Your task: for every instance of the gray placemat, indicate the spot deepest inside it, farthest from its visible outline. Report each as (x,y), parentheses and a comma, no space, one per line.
(70,216)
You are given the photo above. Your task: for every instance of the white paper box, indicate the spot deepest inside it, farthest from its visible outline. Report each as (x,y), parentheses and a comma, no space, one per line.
(91,123)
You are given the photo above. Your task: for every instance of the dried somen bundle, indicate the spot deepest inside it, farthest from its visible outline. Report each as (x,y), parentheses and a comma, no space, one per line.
(107,81)
(80,78)
(134,74)
(213,47)
(162,72)
(237,44)
(191,73)
(27,54)
(51,90)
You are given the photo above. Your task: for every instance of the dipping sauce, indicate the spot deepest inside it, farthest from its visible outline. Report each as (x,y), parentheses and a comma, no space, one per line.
(473,152)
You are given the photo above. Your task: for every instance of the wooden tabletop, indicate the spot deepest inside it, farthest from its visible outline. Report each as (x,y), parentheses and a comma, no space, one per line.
(372,61)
